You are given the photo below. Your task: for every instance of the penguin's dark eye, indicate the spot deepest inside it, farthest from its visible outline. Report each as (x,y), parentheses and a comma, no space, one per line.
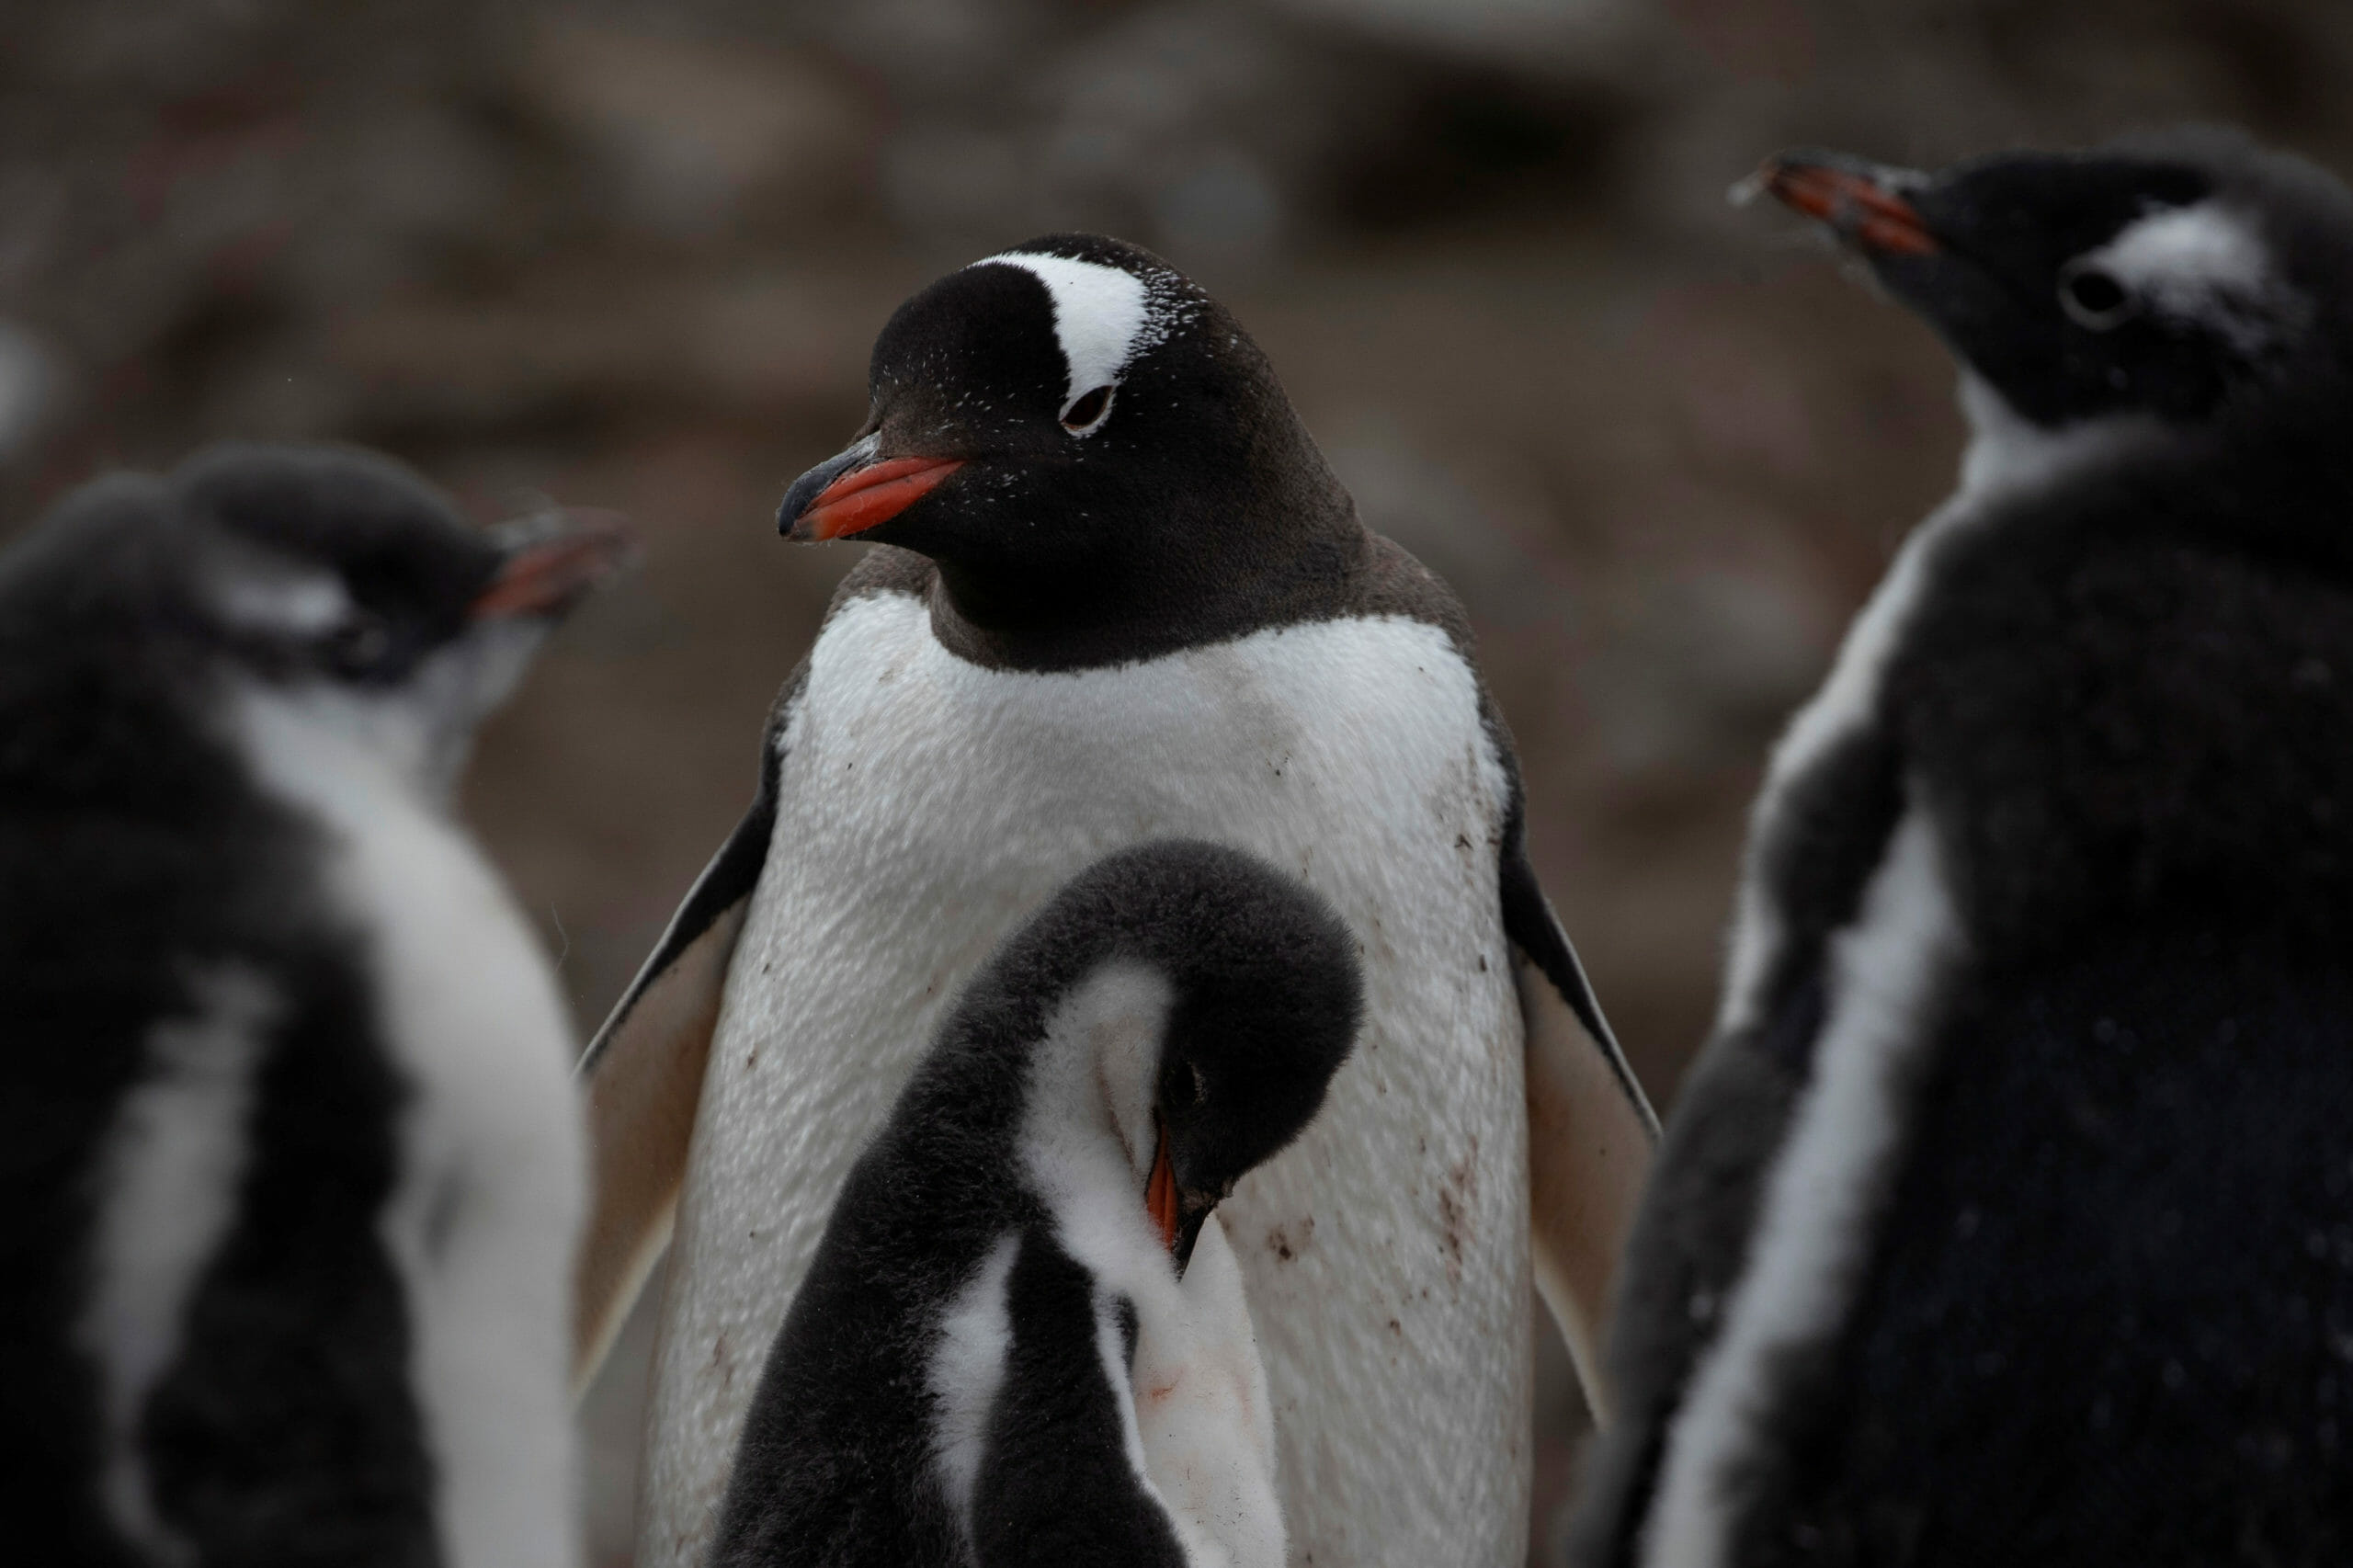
(359,642)
(1089,412)
(2095,299)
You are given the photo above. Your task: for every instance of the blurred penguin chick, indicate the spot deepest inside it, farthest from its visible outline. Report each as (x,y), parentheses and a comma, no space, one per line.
(2003,1218)
(294,1163)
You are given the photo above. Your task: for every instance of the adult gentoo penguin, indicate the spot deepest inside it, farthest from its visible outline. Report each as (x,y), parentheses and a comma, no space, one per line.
(1123,598)
(293,1164)
(2006,1217)
(1022,1337)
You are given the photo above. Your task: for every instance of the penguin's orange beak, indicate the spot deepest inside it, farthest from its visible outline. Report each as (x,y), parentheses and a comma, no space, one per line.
(1160,1195)
(549,570)
(1862,211)
(868,497)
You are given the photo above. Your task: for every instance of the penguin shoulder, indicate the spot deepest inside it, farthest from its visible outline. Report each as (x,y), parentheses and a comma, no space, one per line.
(1393,582)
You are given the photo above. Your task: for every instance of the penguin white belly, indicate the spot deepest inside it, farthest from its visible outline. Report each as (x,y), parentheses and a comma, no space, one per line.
(1201,1416)
(925,805)
(482,1223)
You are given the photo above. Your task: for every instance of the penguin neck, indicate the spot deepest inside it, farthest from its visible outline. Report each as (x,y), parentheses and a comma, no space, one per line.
(1087,1121)
(2009,453)
(1287,559)
(374,746)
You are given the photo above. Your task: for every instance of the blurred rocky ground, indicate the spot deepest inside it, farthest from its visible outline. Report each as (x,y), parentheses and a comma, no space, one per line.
(631,254)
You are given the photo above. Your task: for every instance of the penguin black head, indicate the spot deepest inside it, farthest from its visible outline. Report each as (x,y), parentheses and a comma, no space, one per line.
(317,573)
(1079,437)
(1206,1000)
(2180,276)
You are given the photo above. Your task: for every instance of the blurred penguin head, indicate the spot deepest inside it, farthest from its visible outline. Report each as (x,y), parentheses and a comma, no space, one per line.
(332,582)
(2188,279)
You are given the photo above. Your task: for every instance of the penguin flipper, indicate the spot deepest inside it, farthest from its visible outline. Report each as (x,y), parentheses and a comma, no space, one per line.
(1591,1132)
(643,1078)
(644,1074)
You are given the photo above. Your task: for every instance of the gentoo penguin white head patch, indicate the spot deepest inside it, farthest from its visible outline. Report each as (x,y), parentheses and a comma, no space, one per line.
(1104,316)
(339,580)
(2177,276)
(1080,439)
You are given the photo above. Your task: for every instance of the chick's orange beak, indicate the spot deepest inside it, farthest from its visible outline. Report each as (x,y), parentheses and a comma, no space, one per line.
(1862,211)
(1160,1196)
(552,567)
(868,497)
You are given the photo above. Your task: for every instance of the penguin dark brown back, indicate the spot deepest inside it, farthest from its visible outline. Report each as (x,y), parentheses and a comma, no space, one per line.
(2003,1218)
(1023,1338)
(293,1165)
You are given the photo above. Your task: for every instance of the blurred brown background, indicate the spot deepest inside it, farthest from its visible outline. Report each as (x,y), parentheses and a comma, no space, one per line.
(631,255)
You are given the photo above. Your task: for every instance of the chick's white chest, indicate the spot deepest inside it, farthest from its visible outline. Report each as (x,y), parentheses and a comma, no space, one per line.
(492,1178)
(925,806)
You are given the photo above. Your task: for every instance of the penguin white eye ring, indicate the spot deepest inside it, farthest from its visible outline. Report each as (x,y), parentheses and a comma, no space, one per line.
(2093,298)
(1088,410)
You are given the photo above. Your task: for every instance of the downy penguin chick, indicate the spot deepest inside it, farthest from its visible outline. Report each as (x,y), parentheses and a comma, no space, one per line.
(1023,1336)
(2009,1215)
(294,1167)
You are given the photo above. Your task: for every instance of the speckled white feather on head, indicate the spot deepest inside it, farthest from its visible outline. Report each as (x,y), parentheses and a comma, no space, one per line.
(1104,316)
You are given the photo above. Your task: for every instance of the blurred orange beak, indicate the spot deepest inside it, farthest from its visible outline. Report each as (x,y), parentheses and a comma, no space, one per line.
(548,576)
(866,497)
(1862,211)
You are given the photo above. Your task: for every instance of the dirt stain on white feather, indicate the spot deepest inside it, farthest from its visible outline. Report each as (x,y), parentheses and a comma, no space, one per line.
(1279,1242)
(1456,1199)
